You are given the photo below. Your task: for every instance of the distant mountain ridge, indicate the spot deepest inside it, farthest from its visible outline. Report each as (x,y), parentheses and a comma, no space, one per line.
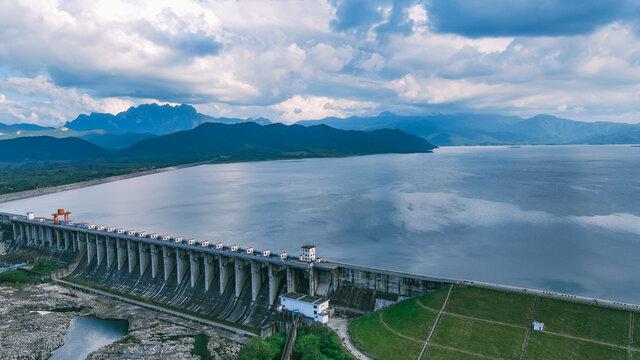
(488,129)
(275,141)
(148,118)
(230,142)
(116,132)
(45,148)
(21,127)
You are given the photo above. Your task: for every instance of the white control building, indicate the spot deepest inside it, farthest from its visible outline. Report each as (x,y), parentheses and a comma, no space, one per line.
(313,307)
(308,253)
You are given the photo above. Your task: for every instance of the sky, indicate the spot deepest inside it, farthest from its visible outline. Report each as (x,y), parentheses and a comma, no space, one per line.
(291,60)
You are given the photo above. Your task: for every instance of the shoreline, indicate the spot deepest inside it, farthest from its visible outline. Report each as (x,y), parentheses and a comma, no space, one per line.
(54,189)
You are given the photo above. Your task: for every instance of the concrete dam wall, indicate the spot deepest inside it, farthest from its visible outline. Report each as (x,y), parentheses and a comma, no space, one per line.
(217,280)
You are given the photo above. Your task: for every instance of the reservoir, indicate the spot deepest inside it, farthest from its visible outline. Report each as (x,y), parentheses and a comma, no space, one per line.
(86,335)
(561,218)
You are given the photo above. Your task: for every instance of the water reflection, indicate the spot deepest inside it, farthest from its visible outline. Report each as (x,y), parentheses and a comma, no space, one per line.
(87,334)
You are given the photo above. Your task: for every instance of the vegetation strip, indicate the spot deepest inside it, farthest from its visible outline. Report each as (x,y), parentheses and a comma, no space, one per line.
(435,324)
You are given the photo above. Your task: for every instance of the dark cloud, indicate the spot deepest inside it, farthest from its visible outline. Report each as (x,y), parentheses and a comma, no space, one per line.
(126,84)
(190,43)
(363,15)
(479,18)
(198,44)
(356,15)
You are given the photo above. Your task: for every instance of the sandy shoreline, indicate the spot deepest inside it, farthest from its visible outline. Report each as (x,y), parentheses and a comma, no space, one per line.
(54,189)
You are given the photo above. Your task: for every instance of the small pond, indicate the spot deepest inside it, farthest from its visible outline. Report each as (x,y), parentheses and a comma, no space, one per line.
(88,334)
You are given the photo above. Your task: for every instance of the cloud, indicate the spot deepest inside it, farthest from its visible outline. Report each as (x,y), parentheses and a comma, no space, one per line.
(248,58)
(329,58)
(621,222)
(42,102)
(437,90)
(378,17)
(317,107)
(479,18)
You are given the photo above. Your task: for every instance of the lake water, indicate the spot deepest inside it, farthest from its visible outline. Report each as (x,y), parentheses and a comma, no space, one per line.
(87,334)
(562,218)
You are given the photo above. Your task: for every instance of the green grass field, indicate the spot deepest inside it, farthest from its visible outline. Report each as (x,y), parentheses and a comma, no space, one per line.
(439,353)
(481,323)
(435,299)
(493,305)
(372,336)
(480,337)
(584,321)
(544,346)
(410,319)
(636,330)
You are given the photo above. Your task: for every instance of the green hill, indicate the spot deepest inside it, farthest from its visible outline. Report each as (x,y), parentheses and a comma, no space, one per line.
(40,148)
(251,140)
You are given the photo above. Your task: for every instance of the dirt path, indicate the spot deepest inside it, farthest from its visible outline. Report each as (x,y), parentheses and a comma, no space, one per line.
(341,327)
(395,332)
(464,351)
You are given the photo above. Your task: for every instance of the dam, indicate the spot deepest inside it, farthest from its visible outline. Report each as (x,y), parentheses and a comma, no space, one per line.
(223,281)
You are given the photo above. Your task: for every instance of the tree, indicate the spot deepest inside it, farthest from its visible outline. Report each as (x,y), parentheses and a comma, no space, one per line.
(256,349)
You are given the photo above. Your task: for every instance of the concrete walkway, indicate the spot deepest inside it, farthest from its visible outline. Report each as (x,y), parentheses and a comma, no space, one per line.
(160,309)
(341,326)
(425,347)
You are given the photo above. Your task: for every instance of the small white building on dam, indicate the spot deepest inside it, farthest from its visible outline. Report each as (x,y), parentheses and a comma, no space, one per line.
(312,307)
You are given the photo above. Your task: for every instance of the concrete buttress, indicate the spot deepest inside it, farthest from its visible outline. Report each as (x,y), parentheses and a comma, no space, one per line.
(145,254)
(121,250)
(225,272)
(291,279)
(132,254)
(155,261)
(209,267)
(181,264)
(168,261)
(111,251)
(275,278)
(241,275)
(91,249)
(194,265)
(100,249)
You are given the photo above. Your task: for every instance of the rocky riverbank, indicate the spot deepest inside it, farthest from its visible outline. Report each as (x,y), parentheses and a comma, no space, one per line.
(35,319)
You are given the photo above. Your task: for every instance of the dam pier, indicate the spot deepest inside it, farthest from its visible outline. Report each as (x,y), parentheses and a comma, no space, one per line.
(223,281)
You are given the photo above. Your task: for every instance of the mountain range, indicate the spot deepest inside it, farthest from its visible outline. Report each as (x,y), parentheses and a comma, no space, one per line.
(228,142)
(117,132)
(148,118)
(491,129)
